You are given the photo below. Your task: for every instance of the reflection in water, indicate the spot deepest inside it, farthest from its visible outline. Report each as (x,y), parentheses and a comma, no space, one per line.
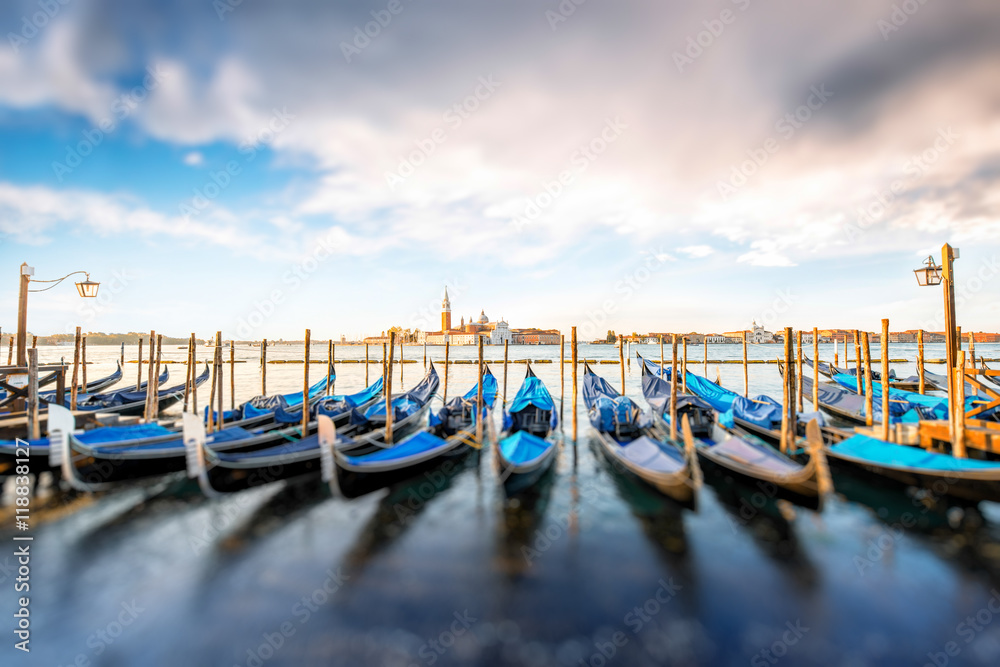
(662,522)
(517,530)
(758,510)
(956,530)
(292,500)
(398,510)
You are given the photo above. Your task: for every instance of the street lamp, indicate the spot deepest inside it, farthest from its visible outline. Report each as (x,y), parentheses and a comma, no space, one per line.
(931,275)
(86,288)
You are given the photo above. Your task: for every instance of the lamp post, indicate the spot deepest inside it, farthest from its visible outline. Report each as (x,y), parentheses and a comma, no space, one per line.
(86,288)
(932,274)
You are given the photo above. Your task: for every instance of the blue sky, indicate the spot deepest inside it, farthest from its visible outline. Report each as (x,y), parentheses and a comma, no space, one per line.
(636,166)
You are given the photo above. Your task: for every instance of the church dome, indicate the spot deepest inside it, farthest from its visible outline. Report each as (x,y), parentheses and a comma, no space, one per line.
(482,317)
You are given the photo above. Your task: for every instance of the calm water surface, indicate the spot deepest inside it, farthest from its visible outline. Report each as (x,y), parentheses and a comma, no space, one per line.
(591,569)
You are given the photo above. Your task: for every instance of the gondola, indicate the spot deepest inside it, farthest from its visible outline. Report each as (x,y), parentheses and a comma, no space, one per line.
(759,416)
(846,406)
(126,453)
(626,438)
(911,383)
(454,431)
(966,479)
(849,407)
(280,408)
(527,445)
(92,387)
(128,402)
(926,406)
(99,385)
(747,456)
(363,431)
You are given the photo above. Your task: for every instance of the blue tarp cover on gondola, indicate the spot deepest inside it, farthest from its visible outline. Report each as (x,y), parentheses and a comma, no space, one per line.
(334,406)
(103,434)
(489,393)
(331,406)
(607,409)
(761,410)
(931,407)
(523,447)
(308,443)
(532,392)
(418,443)
(403,405)
(125,397)
(903,456)
(226,435)
(264,405)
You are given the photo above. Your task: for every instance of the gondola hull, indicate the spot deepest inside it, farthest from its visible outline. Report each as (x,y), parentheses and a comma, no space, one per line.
(676,484)
(520,476)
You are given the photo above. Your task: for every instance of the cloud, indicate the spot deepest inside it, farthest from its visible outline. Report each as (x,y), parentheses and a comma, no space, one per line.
(697,251)
(686,132)
(194,159)
(34,214)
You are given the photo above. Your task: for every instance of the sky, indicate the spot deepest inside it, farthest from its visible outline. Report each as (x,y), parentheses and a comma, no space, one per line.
(264,167)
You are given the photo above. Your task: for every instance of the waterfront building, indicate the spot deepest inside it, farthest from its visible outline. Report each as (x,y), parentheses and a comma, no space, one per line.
(492,333)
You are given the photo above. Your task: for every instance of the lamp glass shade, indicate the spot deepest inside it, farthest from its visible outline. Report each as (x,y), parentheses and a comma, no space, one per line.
(87,288)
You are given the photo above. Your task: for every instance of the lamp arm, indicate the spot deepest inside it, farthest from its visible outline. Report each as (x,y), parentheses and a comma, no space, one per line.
(56,281)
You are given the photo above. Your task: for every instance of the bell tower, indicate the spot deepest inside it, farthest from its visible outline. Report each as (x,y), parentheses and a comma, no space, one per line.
(446,312)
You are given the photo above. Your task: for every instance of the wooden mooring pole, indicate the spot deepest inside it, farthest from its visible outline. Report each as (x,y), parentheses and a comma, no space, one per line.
(221,420)
(857,361)
(885,379)
(121,359)
(662,361)
(83,361)
(147,412)
(155,401)
(366,364)
(798,370)
(920,361)
(263,368)
(673,387)
(388,389)
(188,375)
(621,361)
(684,365)
(194,374)
(790,381)
(869,401)
(34,432)
(305,384)
(479,394)
(232,375)
(138,367)
(746,371)
(210,406)
(958,410)
(329,367)
(704,341)
(574,362)
(815,391)
(76,370)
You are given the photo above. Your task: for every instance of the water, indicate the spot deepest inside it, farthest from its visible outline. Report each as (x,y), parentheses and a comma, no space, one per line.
(590,570)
